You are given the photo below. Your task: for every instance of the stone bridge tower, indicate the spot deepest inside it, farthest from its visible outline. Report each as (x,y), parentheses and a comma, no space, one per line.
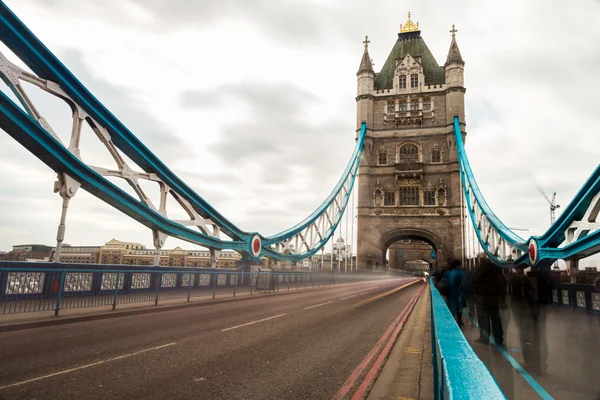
(409,183)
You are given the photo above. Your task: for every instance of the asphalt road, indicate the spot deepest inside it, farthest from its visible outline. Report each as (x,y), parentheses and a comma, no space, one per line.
(295,346)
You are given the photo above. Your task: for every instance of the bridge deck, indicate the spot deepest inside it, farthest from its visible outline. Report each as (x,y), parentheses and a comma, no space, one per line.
(558,350)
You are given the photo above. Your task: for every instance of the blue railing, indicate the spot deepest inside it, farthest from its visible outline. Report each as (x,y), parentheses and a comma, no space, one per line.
(457,371)
(35,287)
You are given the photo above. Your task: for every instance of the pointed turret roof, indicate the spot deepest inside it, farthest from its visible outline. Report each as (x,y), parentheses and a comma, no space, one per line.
(365,63)
(454,52)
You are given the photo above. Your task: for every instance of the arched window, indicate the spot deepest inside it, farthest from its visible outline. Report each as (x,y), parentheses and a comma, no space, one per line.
(402,105)
(382,158)
(414,80)
(402,81)
(409,153)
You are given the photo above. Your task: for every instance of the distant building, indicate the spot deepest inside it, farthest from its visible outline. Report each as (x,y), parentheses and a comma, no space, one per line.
(25,252)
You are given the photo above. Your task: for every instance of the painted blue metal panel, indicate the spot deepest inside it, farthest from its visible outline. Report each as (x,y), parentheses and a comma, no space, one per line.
(460,374)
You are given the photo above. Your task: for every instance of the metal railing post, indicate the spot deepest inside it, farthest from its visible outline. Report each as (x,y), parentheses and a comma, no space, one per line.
(60,292)
(235,283)
(189,288)
(114,304)
(158,282)
(215,278)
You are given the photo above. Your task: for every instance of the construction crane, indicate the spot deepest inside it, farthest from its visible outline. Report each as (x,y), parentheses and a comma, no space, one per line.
(553,205)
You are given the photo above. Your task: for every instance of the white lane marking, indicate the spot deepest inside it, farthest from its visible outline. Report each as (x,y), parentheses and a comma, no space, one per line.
(253,322)
(348,297)
(360,294)
(66,371)
(318,305)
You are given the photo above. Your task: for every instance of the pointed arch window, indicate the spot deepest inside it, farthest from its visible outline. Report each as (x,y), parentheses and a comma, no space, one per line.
(414,80)
(382,158)
(409,153)
(402,82)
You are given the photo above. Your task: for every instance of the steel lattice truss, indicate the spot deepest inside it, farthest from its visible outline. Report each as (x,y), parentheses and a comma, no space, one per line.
(33,131)
(575,234)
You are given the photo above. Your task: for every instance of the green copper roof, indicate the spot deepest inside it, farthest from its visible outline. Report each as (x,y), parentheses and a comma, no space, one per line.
(412,43)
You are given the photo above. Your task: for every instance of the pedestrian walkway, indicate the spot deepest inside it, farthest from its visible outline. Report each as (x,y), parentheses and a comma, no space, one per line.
(549,352)
(407,373)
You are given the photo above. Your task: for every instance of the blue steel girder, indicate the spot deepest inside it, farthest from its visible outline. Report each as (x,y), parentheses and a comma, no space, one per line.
(575,234)
(34,133)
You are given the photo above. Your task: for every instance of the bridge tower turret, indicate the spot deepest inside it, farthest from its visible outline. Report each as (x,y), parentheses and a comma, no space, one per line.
(364,113)
(454,69)
(366,83)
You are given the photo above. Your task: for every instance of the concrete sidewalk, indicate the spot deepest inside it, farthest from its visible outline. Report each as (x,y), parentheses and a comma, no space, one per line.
(407,374)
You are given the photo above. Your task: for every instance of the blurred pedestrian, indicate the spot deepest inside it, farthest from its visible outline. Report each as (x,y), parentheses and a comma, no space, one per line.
(457,290)
(489,286)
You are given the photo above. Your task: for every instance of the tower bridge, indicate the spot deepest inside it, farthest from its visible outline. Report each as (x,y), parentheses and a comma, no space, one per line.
(418,204)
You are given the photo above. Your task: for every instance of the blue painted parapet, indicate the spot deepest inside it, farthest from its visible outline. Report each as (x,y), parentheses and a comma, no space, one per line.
(457,371)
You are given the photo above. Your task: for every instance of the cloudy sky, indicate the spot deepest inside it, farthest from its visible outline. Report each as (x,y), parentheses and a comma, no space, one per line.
(252,102)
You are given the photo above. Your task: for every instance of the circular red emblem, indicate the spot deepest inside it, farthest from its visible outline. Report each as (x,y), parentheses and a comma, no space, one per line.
(255,245)
(533,252)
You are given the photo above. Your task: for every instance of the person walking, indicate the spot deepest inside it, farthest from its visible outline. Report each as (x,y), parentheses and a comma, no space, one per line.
(489,286)
(457,290)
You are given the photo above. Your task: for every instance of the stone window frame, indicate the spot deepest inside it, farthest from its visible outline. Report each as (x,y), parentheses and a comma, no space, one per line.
(391,104)
(414,80)
(402,81)
(387,195)
(415,189)
(437,149)
(433,197)
(427,103)
(402,105)
(383,152)
(414,104)
(405,144)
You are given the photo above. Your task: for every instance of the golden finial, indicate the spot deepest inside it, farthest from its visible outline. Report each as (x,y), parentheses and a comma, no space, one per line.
(409,26)
(366,41)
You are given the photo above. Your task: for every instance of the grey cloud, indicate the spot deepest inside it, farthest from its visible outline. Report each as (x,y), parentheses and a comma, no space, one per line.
(122,103)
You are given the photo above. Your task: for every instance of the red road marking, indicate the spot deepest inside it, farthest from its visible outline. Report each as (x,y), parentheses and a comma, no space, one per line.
(373,372)
(365,362)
